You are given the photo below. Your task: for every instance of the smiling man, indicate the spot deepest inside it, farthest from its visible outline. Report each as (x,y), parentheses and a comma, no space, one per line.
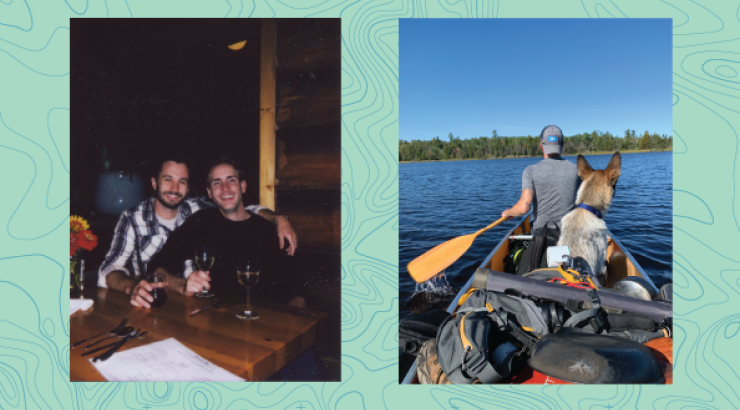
(233,233)
(142,231)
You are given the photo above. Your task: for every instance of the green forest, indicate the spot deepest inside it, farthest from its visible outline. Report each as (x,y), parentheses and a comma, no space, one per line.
(506,147)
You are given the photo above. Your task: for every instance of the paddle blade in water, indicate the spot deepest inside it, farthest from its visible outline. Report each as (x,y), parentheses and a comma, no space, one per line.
(439,258)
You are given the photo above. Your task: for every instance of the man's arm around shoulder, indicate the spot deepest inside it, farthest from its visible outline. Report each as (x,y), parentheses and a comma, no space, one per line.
(284,229)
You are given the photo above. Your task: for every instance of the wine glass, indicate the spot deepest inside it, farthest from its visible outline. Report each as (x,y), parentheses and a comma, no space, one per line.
(248,274)
(204,258)
(158,280)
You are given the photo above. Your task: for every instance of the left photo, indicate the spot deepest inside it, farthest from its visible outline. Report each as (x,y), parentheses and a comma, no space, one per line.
(205,200)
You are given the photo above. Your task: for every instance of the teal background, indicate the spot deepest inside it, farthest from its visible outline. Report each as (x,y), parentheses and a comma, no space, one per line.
(34,210)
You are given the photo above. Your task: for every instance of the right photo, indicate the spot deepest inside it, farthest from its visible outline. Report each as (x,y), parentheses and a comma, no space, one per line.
(535,201)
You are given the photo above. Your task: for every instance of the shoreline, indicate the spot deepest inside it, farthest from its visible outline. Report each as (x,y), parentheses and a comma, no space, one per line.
(539,156)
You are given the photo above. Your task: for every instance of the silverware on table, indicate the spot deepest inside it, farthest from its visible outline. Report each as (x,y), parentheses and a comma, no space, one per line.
(117,345)
(121,333)
(218,303)
(112,332)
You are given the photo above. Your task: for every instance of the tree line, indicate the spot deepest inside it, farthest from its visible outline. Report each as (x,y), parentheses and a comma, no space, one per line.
(502,147)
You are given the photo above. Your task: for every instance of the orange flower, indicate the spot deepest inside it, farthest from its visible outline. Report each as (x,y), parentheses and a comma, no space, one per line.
(87,240)
(73,244)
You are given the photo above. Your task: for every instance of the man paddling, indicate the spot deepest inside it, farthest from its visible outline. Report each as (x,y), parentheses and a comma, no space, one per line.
(549,186)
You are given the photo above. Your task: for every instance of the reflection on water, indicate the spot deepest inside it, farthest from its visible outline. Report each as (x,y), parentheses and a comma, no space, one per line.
(442,200)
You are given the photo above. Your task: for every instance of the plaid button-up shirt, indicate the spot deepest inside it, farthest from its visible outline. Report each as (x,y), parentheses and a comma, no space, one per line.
(139,236)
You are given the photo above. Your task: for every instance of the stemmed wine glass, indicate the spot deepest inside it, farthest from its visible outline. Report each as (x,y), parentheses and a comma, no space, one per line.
(204,258)
(248,274)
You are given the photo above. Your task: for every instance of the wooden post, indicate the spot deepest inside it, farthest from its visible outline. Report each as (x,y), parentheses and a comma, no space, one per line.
(267,114)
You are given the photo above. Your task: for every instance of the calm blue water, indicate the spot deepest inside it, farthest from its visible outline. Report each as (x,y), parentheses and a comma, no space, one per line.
(442,200)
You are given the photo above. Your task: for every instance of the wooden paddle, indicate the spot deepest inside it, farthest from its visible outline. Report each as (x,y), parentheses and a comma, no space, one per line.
(443,255)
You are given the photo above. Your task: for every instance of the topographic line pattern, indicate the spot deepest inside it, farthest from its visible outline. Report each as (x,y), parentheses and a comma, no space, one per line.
(34,163)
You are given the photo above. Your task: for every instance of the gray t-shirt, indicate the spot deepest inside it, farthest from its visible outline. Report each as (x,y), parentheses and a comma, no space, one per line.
(555,183)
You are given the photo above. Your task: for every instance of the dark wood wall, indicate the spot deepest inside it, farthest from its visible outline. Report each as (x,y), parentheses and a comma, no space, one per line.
(308,135)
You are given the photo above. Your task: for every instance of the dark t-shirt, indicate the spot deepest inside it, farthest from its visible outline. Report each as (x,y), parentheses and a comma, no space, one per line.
(254,238)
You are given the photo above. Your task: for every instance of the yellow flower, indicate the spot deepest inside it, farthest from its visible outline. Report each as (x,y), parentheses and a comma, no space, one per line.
(78,223)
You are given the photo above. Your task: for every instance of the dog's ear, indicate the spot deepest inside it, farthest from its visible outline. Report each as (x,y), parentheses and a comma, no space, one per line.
(584,169)
(614,168)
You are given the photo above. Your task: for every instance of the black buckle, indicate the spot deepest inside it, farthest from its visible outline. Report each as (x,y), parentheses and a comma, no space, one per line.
(597,322)
(476,367)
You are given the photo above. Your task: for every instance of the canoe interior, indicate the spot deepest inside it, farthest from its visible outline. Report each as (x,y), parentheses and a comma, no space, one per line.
(620,265)
(620,262)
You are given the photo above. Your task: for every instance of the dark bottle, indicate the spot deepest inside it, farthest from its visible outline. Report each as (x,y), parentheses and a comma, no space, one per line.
(159,293)
(160,297)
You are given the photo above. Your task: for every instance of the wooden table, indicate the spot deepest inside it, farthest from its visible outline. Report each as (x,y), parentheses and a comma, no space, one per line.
(253,350)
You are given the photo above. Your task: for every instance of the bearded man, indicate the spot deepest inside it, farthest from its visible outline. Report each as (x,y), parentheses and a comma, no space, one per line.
(143,230)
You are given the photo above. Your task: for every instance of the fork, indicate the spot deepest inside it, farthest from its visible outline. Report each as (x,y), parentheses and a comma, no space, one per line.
(117,345)
(121,333)
(114,331)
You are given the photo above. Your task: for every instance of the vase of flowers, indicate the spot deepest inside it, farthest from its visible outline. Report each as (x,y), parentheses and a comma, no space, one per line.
(80,238)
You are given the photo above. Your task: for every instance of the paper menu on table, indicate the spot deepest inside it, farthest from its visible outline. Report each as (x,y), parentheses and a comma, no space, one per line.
(164,361)
(79,304)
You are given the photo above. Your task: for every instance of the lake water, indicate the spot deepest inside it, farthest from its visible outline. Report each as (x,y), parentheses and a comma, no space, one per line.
(442,200)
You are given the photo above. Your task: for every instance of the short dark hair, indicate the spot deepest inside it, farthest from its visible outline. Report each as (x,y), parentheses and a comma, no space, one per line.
(224,160)
(159,165)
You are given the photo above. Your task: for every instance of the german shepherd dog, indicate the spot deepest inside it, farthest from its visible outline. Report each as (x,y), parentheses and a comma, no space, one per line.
(583,229)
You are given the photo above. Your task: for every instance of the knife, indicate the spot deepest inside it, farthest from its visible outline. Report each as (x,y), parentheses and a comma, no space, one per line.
(117,345)
(217,304)
(110,345)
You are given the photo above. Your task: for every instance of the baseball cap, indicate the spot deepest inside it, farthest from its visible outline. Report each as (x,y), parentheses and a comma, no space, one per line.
(552,140)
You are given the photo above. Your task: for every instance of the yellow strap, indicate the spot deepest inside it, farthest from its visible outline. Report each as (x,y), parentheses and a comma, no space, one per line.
(465,296)
(465,342)
(573,276)
(567,275)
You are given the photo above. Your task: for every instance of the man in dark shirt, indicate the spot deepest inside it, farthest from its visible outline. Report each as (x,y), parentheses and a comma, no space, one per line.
(232,232)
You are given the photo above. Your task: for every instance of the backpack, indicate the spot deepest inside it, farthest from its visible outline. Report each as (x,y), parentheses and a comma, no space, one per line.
(542,238)
(486,338)
(493,333)
(415,330)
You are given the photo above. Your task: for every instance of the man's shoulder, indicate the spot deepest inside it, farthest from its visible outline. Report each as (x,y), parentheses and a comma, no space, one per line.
(137,209)
(202,215)
(261,223)
(548,163)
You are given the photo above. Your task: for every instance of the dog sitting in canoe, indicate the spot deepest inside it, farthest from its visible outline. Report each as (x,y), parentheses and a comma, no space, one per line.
(583,229)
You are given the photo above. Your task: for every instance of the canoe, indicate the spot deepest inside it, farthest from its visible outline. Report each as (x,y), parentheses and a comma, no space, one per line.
(621,265)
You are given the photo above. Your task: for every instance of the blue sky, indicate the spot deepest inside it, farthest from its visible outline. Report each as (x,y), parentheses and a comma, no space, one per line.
(471,76)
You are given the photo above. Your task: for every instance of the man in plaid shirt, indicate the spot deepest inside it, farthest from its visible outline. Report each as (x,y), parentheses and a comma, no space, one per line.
(142,231)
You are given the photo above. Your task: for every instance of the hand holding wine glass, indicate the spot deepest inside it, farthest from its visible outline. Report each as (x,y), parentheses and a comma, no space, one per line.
(204,259)
(248,275)
(158,281)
